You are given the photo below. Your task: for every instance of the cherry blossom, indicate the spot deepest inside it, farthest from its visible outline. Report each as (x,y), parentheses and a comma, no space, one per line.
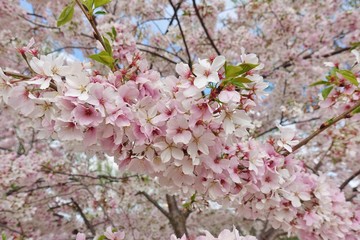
(207,72)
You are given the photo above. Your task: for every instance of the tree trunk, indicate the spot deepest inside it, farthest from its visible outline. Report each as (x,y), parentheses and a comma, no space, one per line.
(177,217)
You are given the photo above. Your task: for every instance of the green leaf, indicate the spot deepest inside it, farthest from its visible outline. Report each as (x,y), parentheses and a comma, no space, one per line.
(354,45)
(356,110)
(100,12)
(114,32)
(88,4)
(99,3)
(104,58)
(348,75)
(289,238)
(320,82)
(3,236)
(193,197)
(66,15)
(186,205)
(241,80)
(238,81)
(102,237)
(108,48)
(234,71)
(326,91)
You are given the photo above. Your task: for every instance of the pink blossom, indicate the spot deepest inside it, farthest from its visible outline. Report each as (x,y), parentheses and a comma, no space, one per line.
(178,130)
(206,72)
(119,235)
(80,236)
(87,115)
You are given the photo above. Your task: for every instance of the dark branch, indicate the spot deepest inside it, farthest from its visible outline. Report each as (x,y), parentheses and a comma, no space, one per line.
(38,24)
(158,55)
(173,17)
(155,203)
(324,126)
(87,223)
(349,180)
(291,123)
(289,63)
(182,34)
(70,47)
(161,49)
(204,27)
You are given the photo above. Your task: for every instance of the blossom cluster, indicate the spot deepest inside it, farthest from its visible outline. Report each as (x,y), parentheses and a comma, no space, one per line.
(341,86)
(172,129)
(224,235)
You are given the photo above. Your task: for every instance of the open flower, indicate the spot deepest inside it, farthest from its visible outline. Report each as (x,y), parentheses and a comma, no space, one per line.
(80,236)
(87,115)
(119,235)
(206,72)
(357,55)
(287,136)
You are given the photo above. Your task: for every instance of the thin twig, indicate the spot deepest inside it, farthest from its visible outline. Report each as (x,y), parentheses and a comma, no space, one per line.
(291,123)
(182,34)
(70,47)
(161,49)
(158,55)
(16,75)
(38,24)
(204,27)
(97,34)
(90,18)
(289,63)
(87,223)
(344,184)
(324,126)
(155,203)
(173,17)
(318,165)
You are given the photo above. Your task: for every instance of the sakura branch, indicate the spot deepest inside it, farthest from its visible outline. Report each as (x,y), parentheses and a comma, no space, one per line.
(347,114)
(204,28)
(83,216)
(183,128)
(348,180)
(181,31)
(91,20)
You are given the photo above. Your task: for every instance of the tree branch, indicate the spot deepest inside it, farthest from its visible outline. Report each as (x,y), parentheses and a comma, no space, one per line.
(158,55)
(92,22)
(318,165)
(205,29)
(161,49)
(291,123)
(344,184)
(10,229)
(155,203)
(289,63)
(177,217)
(324,126)
(70,47)
(173,16)
(37,24)
(87,223)
(182,33)
(16,75)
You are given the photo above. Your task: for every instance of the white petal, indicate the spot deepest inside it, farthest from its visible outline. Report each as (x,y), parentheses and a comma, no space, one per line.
(218,62)
(213,77)
(357,55)
(166,155)
(182,69)
(201,82)
(177,153)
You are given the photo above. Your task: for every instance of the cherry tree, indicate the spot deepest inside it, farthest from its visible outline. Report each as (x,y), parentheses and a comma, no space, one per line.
(180,116)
